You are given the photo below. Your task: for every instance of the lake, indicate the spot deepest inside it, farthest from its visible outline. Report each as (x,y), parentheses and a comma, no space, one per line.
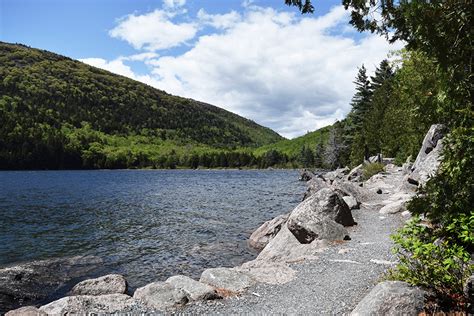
(144,224)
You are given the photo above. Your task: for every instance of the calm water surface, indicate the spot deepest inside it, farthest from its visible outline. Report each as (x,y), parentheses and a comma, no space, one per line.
(145,224)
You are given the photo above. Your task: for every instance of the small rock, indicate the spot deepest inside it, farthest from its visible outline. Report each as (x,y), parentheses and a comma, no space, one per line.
(160,295)
(392,298)
(26,311)
(351,202)
(344,251)
(393,208)
(227,279)
(194,290)
(406,214)
(108,284)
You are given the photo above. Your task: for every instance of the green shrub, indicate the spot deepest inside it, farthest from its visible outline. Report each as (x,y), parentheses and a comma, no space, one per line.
(433,262)
(371,169)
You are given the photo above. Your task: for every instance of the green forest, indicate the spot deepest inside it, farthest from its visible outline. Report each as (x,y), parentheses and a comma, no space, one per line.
(58,113)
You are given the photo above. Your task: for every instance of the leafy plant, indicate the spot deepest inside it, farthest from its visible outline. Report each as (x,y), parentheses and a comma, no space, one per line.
(371,169)
(436,263)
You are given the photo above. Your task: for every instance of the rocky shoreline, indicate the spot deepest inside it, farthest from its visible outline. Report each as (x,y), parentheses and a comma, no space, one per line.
(322,257)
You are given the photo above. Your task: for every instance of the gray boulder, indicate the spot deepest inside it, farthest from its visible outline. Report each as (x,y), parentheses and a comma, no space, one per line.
(393,207)
(428,159)
(228,279)
(314,185)
(26,311)
(286,248)
(356,173)
(336,174)
(160,295)
(262,235)
(306,175)
(392,298)
(351,202)
(322,216)
(33,282)
(108,284)
(91,304)
(268,272)
(194,290)
(347,188)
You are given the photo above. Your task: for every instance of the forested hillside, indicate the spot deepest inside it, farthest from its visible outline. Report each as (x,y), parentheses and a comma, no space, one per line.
(60,113)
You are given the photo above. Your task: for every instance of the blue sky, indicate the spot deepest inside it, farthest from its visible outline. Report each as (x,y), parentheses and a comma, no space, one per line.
(260,59)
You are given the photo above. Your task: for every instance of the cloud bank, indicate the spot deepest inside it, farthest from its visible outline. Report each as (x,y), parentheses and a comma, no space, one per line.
(289,73)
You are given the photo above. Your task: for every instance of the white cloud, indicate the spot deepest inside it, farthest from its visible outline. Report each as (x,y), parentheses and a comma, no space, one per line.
(173,3)
(219,21)
(153,31)
(289,73)
(116,66)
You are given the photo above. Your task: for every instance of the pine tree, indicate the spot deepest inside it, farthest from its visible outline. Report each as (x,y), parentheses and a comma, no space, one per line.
(383,73)
(361,100)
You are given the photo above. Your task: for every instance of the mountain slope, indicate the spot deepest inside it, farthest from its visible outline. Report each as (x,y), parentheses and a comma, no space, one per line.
(53,109)
(292,147)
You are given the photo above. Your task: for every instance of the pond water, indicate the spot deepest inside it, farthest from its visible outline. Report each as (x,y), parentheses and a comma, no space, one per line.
(144,224)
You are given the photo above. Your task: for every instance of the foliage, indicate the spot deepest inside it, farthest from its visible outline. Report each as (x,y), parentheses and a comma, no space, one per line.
(430,261)
(370,169)
(48,101)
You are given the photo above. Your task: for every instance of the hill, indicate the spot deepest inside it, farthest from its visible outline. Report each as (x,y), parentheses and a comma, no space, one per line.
(60,113)
(292,147)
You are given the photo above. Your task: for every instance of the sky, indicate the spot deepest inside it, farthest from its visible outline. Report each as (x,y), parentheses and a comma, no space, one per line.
(258,58)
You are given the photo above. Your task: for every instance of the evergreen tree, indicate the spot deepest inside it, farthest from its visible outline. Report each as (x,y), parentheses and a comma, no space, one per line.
(361,100)
(383,73)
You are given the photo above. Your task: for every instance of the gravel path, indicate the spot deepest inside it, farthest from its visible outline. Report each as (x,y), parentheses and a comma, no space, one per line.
(332,284)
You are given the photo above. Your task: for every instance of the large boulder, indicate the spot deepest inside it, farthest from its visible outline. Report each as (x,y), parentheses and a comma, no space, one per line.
(286,248)
(26,311)
(429,156)
(227,279)
(108,284)
(306,175)
(346,188)
(194,290)
(391,298)
(262,235)
(160,296)
(268,272)
(322,216)
(336,174)
(33,282)
(91,304)
(314,185)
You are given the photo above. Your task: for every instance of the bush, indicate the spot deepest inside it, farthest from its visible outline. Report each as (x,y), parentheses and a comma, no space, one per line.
(433,262)
(372,169)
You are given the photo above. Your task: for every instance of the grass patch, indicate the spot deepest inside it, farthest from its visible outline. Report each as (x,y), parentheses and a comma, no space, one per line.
(372,169)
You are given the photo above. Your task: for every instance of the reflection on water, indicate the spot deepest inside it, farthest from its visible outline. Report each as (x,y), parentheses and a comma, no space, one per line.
(145,224)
